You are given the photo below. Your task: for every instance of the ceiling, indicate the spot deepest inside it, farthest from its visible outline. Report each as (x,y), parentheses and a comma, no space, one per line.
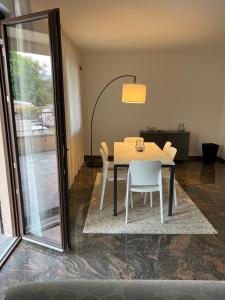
(109,25)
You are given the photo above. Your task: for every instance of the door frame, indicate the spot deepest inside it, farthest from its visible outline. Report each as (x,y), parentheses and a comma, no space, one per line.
(9,154)
(53,17)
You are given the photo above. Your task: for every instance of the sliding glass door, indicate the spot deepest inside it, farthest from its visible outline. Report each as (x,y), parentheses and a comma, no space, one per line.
(36,112)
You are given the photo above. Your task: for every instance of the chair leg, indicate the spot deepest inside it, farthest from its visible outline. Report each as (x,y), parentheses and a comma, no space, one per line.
(145,198)
(175,194)
(103,192)
(174,191)
(161,204)
(125,199)
(151,199)
(127,206)
(131,200)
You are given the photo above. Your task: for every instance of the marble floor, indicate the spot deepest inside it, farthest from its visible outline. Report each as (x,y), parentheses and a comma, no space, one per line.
(132,256)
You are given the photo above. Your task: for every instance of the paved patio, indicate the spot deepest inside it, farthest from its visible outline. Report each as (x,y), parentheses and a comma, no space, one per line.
(40,189)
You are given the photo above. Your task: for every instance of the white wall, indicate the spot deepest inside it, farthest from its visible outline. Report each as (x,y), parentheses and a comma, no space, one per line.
(183,87)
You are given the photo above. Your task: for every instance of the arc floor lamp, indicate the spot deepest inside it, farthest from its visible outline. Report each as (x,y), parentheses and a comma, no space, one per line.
(131,93)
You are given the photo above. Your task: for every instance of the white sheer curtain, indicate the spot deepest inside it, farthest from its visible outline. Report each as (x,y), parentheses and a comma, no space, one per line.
(72,107)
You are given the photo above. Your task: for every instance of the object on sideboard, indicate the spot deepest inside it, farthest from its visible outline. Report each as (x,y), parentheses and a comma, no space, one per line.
(140,145)
(181,127)
(153,128)
(179,140)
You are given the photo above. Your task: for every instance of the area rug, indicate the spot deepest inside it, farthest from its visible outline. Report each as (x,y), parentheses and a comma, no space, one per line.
(143,219)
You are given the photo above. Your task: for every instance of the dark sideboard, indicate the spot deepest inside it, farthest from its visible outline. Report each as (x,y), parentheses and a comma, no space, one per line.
(179,140)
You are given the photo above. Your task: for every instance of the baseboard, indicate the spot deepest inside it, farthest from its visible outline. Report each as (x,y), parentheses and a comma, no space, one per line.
(190,158)
(220,159)
(199,158)
(88,157)
(96,157)
(194,158)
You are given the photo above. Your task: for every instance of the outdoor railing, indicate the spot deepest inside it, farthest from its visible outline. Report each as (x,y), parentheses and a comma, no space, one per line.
(35,123)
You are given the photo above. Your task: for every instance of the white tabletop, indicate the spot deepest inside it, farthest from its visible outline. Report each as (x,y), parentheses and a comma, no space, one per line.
(124,153)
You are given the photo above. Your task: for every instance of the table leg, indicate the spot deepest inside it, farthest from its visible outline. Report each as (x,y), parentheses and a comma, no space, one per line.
(171,195)
(115,190)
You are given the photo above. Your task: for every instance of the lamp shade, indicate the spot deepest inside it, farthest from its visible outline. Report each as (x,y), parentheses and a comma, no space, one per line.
(134,93)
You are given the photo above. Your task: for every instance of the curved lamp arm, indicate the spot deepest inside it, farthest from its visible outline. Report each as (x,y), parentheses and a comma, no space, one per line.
(93,113)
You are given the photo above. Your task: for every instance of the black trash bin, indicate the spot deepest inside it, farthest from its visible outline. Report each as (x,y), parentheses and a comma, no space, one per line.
(209,151)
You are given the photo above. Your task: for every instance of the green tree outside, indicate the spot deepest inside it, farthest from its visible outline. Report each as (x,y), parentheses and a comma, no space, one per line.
(30,82)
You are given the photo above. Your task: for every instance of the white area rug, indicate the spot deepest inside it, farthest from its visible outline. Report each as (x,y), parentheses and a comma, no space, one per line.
(186,219)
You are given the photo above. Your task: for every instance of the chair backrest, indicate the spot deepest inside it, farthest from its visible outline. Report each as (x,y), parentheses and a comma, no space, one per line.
(171,152)
(133,139)
(144,172)
(167,145)
(104,160)
(106,149)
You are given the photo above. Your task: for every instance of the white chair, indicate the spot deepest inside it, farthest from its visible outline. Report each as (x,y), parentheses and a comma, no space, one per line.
(108,175)
(144,177)
(106,151)
(167,146)
(171,152)
(133,139)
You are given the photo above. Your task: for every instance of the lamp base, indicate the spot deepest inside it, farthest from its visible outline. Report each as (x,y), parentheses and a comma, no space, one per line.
(94,164)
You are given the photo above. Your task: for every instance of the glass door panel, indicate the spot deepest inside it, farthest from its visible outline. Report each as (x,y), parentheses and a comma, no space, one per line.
(8,234)
(39,137)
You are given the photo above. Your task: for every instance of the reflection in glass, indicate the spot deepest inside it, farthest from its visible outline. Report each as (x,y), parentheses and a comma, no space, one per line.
(33,98)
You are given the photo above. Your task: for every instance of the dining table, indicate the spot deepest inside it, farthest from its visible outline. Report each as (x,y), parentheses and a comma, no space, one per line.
(125,152)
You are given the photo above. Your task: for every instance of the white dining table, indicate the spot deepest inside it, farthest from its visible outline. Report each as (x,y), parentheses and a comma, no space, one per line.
(125,152)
